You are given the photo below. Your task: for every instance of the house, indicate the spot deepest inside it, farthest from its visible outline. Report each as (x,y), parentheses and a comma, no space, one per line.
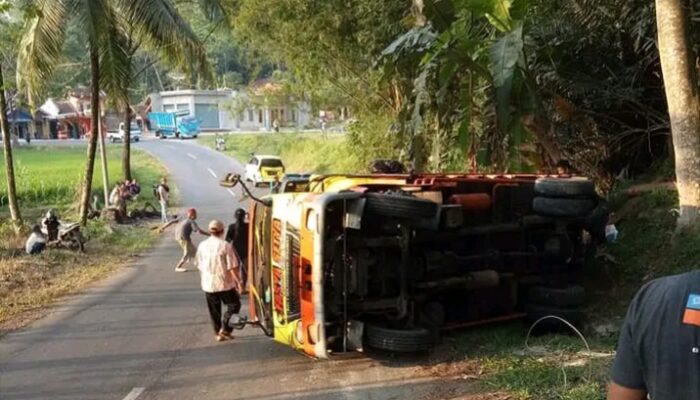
(67,118)
(20,121)
(229,110)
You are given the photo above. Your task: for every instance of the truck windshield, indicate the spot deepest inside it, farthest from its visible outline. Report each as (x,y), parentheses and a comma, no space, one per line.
(271,163)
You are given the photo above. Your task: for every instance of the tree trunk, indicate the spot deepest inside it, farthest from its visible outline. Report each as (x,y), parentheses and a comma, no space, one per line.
(9,164)
(92,144)
(683,104)
(126,152)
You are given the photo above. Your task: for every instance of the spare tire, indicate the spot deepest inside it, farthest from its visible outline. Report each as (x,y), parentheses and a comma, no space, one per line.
(414,340)
(570,296)
(553,207)
(399,206)
(565,187)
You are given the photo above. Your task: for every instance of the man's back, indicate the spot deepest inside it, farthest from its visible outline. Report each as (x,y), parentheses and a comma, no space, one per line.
(659,345)
(215,261)
(184,230)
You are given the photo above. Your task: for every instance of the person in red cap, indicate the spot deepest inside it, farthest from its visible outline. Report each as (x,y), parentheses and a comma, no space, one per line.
(183,235)
(219,267)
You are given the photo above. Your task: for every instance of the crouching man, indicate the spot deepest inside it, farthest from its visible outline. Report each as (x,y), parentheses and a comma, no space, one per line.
(219,268)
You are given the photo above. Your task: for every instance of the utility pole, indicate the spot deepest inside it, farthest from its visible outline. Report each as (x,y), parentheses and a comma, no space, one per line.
(103,159)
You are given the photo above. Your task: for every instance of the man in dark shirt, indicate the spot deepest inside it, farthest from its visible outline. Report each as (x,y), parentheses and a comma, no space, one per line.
(183,235)
(237,235)
(658,352)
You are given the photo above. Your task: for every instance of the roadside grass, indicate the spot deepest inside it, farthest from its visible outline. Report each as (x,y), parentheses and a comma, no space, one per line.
(300,152)
(29,284)
(553,367)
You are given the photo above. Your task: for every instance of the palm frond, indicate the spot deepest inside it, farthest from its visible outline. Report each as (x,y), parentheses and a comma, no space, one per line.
(214,10)
(116,66)
(40,48)
(161,24)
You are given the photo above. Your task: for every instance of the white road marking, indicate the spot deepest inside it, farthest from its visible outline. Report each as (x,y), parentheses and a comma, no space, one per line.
(232,192)
(212,173)
(190,155)
(135,393)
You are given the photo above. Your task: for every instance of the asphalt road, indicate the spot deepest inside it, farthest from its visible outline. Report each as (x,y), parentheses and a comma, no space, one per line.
(144,333)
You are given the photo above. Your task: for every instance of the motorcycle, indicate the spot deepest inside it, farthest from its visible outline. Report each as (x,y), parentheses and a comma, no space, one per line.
(70,237)
(62,235)
(220,144)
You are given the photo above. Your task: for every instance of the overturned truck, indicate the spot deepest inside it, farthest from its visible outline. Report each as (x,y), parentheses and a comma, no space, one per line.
(388,261)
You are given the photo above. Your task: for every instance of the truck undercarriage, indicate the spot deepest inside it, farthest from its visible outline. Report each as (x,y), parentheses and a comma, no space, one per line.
(455,253)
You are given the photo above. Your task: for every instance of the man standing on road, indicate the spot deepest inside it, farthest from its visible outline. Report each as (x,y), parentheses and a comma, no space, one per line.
(237,235)
(219,268)
(163,194)
(658,350)
(183,235)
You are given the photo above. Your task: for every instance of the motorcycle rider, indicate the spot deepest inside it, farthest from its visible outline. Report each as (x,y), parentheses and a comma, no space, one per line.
(50,224)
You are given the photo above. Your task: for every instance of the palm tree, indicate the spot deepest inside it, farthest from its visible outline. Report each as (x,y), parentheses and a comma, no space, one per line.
(9,165)
(133,40)
(102,20)
(678,66)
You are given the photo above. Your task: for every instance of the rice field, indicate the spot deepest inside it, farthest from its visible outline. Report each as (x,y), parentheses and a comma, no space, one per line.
(50,177)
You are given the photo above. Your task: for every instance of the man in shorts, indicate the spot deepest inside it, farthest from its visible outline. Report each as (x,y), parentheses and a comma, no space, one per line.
(183,235)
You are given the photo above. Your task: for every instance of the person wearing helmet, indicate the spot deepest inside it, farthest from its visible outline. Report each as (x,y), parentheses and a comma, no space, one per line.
(237,235)
(50,225)
(183,235)
(219,268)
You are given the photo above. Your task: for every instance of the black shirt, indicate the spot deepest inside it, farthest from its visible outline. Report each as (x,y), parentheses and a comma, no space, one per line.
(237,235)
(659,345)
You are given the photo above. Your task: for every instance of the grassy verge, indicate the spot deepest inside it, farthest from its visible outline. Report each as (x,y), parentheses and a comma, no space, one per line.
(301,152)
(49,178)
(553,367)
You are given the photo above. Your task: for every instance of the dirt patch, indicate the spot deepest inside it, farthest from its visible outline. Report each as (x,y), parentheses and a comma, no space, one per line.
(28,284)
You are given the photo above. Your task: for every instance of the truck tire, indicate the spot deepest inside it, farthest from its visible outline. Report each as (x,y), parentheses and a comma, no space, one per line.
(573,315)
(558,207)
(399,206)
(571,296)
(565,187)
(413,340)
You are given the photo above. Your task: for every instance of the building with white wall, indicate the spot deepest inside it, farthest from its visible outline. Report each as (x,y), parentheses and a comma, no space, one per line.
(215,108)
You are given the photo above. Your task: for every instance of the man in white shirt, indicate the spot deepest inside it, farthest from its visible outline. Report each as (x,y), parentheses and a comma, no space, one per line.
(218,265)
(163,192)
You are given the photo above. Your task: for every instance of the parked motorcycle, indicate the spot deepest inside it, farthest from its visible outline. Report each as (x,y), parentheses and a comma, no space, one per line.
(62,235)
(220,144)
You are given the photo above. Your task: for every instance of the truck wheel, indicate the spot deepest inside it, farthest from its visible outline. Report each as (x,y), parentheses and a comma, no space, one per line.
(553,207)
(413,340)
(573,315)
(570,296)
(399,206)
(565,187)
